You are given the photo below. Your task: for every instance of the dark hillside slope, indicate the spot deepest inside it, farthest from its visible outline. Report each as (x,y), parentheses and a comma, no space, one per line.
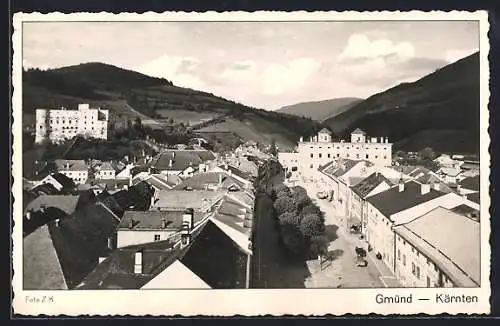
(131,94)
(321,110)
(440,110)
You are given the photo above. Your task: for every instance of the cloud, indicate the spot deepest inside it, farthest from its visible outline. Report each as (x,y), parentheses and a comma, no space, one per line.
(360,46)
(278,77)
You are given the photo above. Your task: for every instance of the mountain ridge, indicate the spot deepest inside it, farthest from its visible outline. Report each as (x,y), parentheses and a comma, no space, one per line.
(129,94)
(414,115)
(320,110)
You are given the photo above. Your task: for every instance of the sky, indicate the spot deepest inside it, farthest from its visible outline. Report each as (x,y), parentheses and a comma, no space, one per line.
(262,64)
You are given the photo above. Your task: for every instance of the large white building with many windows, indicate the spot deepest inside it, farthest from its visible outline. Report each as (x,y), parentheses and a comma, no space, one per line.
(57,125)
(321,149)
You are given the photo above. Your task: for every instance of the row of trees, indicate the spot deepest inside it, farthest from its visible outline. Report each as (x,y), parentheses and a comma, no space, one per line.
(301,223)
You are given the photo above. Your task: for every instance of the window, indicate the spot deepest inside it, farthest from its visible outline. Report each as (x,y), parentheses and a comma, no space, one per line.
(367,156)
(385,156)
(418,272)
(157,237)
(328,155)
(418,254)
(357,155)
(404,260)
(413,269)
(311,166)
(347,155)
(338,155)
(319,155)
(399,254)
(376,156)
(312,155)
(412,250)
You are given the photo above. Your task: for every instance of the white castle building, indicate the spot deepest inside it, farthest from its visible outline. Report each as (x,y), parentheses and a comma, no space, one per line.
(57,125)
(320,150)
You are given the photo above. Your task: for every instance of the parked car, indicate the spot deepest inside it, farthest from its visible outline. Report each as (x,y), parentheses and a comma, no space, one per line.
(322,195)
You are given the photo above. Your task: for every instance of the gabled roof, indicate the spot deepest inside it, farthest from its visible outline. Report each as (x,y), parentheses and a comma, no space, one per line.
(200,181)
(339,168)
(81,238)
(234,170)
(358,131)
(393,201)
(117,271)
(45,189)
(41,267)
(471,183)
(153,220)
(63,180)
(180,199)
(66,203)
(468,211)
(181,159)
(325,131)
(107,166)
(74,165)
(452,172)
(365,186)
(216,259)
(475,197)
(212,256)
(459,259)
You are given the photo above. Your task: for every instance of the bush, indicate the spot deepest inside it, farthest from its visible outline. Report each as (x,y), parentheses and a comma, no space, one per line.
(318,245)
(292,238)
(291,218)
(311,209)
(283,205)
(312,225)
(283,191)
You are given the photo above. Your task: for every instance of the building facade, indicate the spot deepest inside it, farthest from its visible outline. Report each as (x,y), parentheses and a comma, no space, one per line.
(321,149)
(56,125)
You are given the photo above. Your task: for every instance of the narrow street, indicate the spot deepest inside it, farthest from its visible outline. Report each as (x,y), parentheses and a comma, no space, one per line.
(271,267)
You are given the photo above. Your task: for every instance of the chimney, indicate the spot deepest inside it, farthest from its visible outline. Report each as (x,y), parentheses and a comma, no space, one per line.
(459,189)
(138,263)
(170,163)
(66,165)
(57,223)
(173,154)
(301,139)
(425,188)
(225,166)
(130,180)
(188,218)
(163,223)
(387,140)
(131,223)
(435,185)
(220,179)
(401,185)
(110,243)
(101,259)
(42,208)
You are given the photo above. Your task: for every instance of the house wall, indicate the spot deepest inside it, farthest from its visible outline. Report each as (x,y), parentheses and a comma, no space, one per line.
(105,175)
(313,154)
(424,274)
(134,237)
(379,235)
(78,177)
(60,124)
